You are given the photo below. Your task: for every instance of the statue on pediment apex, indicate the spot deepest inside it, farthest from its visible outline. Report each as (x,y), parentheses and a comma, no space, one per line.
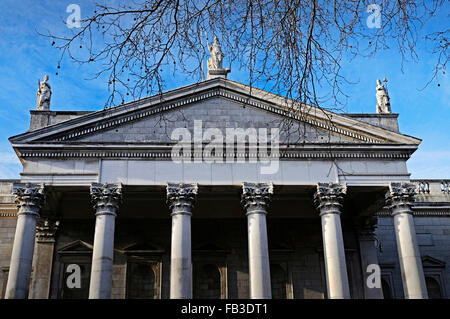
(215,61)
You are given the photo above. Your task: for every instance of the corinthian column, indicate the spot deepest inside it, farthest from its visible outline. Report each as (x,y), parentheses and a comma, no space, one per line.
(29,199)
(256,198)
(328,200)
(106,199)
(400,198)
(181,198)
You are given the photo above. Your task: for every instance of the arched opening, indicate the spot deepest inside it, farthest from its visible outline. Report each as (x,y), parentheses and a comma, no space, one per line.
(278,281)
(206,281)
(141,280)
(386,289)
(433,288)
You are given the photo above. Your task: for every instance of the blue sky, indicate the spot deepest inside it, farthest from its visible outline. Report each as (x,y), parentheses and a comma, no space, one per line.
(26,57)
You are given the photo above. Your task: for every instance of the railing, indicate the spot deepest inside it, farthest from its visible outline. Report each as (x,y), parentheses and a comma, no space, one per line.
(435,187)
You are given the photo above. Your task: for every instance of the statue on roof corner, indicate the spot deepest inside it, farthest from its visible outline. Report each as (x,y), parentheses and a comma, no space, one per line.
(44,95)
(383,100)
(214,63)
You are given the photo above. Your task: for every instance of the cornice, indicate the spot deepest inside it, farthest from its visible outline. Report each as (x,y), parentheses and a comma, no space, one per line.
(167,155)
(163,152)
(421,212)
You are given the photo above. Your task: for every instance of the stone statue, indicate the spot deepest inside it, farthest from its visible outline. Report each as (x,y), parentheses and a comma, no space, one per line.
(383,101)
(215,61)
(44,94)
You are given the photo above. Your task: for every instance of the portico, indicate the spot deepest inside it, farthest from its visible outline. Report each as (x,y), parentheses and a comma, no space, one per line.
(219,225)
(258,238)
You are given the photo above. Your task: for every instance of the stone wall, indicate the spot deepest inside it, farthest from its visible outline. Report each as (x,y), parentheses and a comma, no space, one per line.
(294,244)
(7,230)
(433,235)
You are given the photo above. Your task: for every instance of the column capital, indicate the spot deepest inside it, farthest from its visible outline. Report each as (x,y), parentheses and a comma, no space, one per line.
(29,198)
(106,198)
(46,230)
(329,197)
(256,197)
(400,197)
(366,226)
(181,197)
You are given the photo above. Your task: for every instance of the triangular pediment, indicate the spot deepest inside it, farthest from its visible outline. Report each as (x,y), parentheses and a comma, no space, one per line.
(216,112)
(217,103)
(77,246)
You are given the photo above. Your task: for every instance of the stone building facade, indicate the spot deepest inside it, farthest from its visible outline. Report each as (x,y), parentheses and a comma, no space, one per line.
(103,209)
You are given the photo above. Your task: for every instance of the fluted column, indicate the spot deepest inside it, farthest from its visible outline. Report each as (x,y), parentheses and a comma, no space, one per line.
(400,198)
(43,258)
(181,198)
(328,200)
(29,199)
(365,227)
(106,199)
(256,198)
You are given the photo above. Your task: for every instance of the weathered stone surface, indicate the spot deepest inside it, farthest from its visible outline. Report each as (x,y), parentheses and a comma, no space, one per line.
(215,112)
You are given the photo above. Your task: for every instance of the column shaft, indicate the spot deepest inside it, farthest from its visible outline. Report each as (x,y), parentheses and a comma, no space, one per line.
(102,258)
(180,258)
(258,257)
(29,198)
(334,256)
(21,258)
(256,198)
(181,198)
